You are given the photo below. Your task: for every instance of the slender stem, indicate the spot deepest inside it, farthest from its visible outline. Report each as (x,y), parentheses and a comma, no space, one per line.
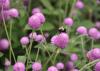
(56,55)
(37,54)
(83,48)
(8,35)
(84,67)
(92,43)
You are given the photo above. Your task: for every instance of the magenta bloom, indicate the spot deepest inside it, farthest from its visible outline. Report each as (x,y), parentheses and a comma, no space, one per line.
(75,70)
(32,35)
(4,44)
(98,24)
(79,4)
(68,21)
(69,65)
(19,66)
(40,38)
(41,17)
(61,40)
(52,68)
(24,40)
(5,4)
(60,65)
(34,22)
(82,30)
(93,33)
(36,10)
(13,12)
(97,66)
(94,54)
(36,66)
(74,57)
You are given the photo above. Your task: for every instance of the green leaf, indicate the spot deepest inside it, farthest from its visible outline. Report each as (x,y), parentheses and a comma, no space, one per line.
(1,54)
(21,59)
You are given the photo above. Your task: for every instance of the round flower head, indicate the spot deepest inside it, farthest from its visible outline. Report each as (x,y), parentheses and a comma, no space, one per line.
(4,44)
(4,15)
(97,66)
(98,24)
(40,38)
(79,4)
(60,65)
(93,32)
(82,30)
(60,40)
(69,65)
(41,17)
(19,66)
(36,66)
(36,10)
(96,53)
(68,21)
(24,40)
(34,22)
(32,35)
(52,68)
(74,57)
(13,12)
(5,4)
(7,63)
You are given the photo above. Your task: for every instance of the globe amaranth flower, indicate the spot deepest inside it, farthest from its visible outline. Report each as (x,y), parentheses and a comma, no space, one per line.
(13,13)
(4,15)
(36,66)
(69,65)
(74,57)
(97,66)
(32,35)
(36,10)
(94,33)
(24,40)
(19,66)
(4,44)
(60,66)
(97,25)
(68,21)
(82,30)
(79,4)
(40,38)
(7,64)
(93,54)
(52,68)
(75,70)
(5,4)
(61,40)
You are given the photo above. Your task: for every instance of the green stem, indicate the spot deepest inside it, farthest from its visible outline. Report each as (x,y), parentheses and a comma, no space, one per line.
(7,35)
(37,54)
(93,62)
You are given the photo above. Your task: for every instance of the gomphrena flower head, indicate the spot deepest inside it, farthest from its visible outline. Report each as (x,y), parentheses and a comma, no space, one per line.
(93,54)
(19,66)
(24,40)
(74,57)
(82,30)
(34,22)
(69,65)
(36,10)
(32,35)
(97,25)
(5,4)
(93,33)
(41,17)
(7,63)
(52,68)
(61,40)
(36,66)
(68,21)
(60,66)
(4,44)
(97,66)
(40,38)
(13,13)
(79,4)
(4,14)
